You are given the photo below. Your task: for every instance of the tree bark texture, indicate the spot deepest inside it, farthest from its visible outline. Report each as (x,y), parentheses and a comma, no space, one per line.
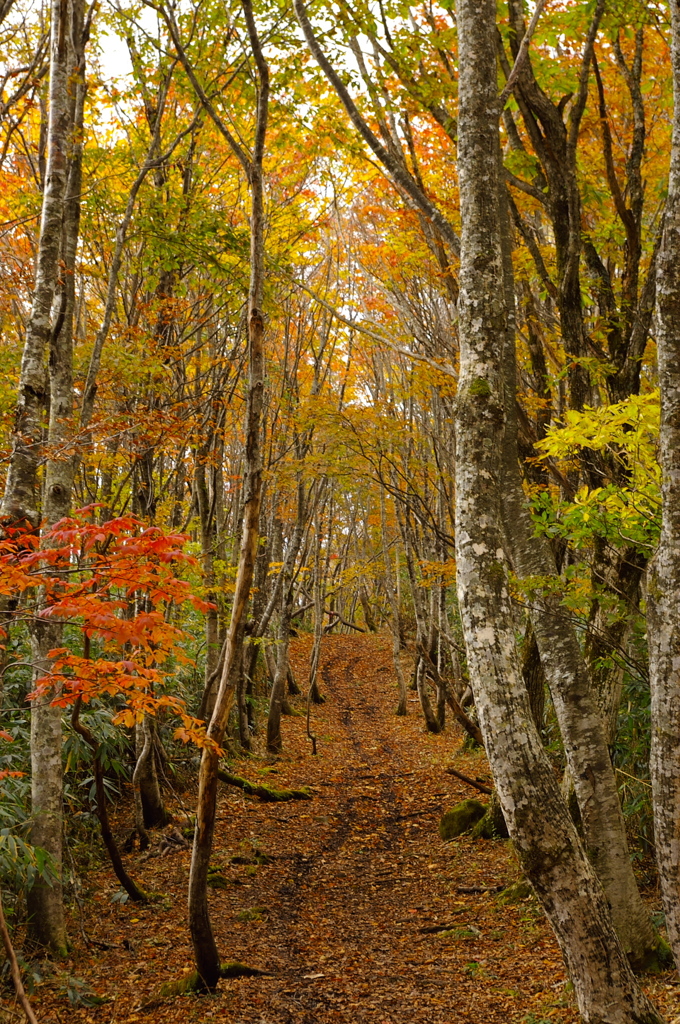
(145,778)
(284,589)
(616,575)
(578,714)
(56,253)
(544,836)
(20,502)
(663,608)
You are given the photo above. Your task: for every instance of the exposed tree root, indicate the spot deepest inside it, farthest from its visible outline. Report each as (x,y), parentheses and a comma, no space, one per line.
(193,982)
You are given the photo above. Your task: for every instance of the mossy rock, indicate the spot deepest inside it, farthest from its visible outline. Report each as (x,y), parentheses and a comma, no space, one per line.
(461,818)
(517,892)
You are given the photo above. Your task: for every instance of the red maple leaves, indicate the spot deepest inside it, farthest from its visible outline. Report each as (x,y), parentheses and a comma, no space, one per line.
(118,584)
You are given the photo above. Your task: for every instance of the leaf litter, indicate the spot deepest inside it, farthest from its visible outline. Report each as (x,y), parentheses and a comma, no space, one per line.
(350,904)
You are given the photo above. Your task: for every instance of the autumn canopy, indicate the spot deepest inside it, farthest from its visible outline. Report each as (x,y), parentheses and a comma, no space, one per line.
(357,321)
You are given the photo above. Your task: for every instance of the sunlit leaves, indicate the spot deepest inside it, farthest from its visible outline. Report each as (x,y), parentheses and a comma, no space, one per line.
(627,433)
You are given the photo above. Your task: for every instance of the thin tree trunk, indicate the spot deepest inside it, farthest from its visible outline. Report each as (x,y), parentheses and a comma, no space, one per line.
(616,574)
(424,624)
(544,837)
(145,778)
(284,587)
(14,968)
(206,518)
(130,886)
(313,692)
(402,705)
(534,677)
(202,937)
(274,738)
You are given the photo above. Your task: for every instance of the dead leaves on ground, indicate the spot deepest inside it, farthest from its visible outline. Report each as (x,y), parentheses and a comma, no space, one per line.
(350,900)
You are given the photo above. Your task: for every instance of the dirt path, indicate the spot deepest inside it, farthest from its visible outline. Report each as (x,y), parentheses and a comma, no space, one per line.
(347,913)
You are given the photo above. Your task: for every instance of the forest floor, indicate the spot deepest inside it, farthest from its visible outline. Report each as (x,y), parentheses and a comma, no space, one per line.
(360,912)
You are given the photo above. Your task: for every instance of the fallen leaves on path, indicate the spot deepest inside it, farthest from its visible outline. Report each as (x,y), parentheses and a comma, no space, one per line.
(350,902)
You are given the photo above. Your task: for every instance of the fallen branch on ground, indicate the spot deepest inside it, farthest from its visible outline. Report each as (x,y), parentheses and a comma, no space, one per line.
(480,888)
(471,782)
(265,793)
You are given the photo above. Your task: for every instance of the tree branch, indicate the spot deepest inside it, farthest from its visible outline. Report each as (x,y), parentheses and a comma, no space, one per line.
(521,56)
(399,174)
(14,969)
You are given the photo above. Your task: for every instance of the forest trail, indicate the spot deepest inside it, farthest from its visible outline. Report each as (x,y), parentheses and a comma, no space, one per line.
(344,914)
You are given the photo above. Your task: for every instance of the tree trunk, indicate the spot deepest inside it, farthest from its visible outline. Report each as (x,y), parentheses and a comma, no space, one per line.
(284,588)
(431,722)
(274,738)
(402,705)
(202,938)
(617,575)
(367,610)
(56,251)
(544,837)
(206,518)
(313,692)
(20,503)
(145,777)
(581,726)
(664,584)
(534,677)
(130,886)
(424,623)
